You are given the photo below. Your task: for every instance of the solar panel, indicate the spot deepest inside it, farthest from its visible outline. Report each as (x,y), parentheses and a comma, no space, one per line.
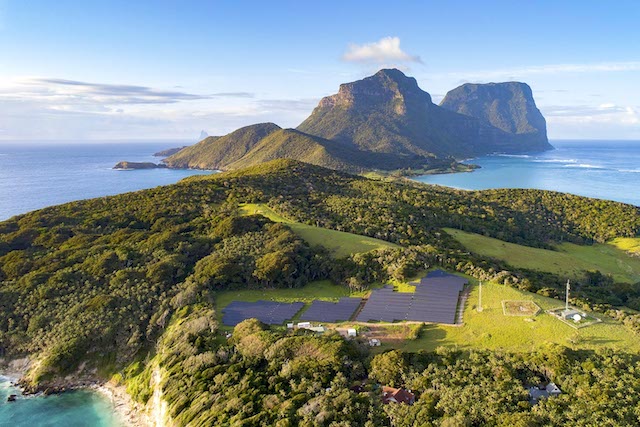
(435,300)
(269,312)
(325,311)
(437,273)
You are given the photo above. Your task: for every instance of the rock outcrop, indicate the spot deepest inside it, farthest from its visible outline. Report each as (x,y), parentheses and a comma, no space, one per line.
(137,165)
(507,106)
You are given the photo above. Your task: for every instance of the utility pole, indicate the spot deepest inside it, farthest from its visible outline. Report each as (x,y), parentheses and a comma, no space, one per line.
(568,287)
(480,297)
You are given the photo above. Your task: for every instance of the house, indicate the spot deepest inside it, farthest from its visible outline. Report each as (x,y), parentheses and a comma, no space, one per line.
(543,392)
(352,332)
(374,342)
(289,325)
(304,325)
(397,395)
(553,389)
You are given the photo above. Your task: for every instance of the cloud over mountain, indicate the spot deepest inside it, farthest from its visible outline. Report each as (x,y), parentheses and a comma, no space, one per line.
(385,50)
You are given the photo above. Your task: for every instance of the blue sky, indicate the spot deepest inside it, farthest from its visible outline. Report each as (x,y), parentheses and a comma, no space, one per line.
(168,69)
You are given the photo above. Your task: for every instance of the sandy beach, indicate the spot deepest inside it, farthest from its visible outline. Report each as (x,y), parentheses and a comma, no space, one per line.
(123,405)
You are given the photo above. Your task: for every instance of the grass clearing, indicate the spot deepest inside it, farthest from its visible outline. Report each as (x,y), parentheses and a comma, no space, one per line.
(520,308)
(491,329)
(569,260)
(630,245)
(341,244)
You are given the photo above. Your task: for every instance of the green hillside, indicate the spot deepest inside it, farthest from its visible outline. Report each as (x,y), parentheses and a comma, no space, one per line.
(568,259)
(218,152)
(99,280)
(131,286)
(293,144)
(339,243)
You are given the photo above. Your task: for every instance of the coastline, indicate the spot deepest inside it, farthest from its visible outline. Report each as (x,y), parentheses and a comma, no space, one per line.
(123,405)
(126,410)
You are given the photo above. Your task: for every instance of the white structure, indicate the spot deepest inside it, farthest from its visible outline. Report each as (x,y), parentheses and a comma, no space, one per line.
(352,332)
(304,325)
(553,389)
(577,317)
(374,342)
(289,325)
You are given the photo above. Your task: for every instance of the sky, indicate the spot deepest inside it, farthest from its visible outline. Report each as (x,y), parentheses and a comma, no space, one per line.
(155,69)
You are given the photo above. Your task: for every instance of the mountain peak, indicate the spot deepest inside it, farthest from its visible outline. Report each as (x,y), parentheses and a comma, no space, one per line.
(507,106)
(390,87)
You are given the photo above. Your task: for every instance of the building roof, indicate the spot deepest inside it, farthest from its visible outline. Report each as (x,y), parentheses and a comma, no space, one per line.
(397,395)
(552,388)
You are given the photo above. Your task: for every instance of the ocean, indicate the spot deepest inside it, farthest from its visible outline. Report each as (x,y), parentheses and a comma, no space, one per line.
(74,409)
(600,169)
(36,175)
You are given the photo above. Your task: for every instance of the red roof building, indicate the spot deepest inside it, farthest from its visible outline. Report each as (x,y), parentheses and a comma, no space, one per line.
(397,395)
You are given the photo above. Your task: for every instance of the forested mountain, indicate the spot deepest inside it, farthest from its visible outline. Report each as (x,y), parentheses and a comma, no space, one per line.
(127,283)
(386,122)
(506,106)
(388,112)
(217,152)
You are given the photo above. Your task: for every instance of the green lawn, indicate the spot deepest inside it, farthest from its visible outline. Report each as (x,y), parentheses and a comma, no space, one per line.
(339,243)
(569,260)
(491,329)
(628,244)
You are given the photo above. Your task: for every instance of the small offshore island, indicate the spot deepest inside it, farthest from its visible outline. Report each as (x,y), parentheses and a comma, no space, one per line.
(138,165)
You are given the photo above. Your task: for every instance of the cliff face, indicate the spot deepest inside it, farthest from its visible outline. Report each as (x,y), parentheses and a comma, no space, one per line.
(509,107)
(389,113)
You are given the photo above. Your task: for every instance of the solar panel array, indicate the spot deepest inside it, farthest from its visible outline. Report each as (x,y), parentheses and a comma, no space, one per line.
(325,311)
(435,300)
(269,312)
(436,273)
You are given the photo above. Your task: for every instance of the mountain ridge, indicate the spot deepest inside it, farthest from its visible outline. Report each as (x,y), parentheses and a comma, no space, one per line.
(386,122)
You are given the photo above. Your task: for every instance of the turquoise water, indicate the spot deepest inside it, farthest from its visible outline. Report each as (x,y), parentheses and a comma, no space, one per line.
(33,176)
(73,409)
(600,169)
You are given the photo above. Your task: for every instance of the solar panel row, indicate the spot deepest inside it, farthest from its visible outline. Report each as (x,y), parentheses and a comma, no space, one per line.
(435,300)
(269,312)
(325,311)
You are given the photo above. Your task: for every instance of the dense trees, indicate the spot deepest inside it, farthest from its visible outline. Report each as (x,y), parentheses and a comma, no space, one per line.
(101,280)
(265,377)
(258,378)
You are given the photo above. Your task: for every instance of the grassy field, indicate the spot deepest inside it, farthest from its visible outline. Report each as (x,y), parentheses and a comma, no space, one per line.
(491,329)
(339,243)
(628,244)
(569,260)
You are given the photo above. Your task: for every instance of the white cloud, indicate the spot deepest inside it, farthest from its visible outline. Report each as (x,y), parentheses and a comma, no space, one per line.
(383,51)
(44,108)
(75,92)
